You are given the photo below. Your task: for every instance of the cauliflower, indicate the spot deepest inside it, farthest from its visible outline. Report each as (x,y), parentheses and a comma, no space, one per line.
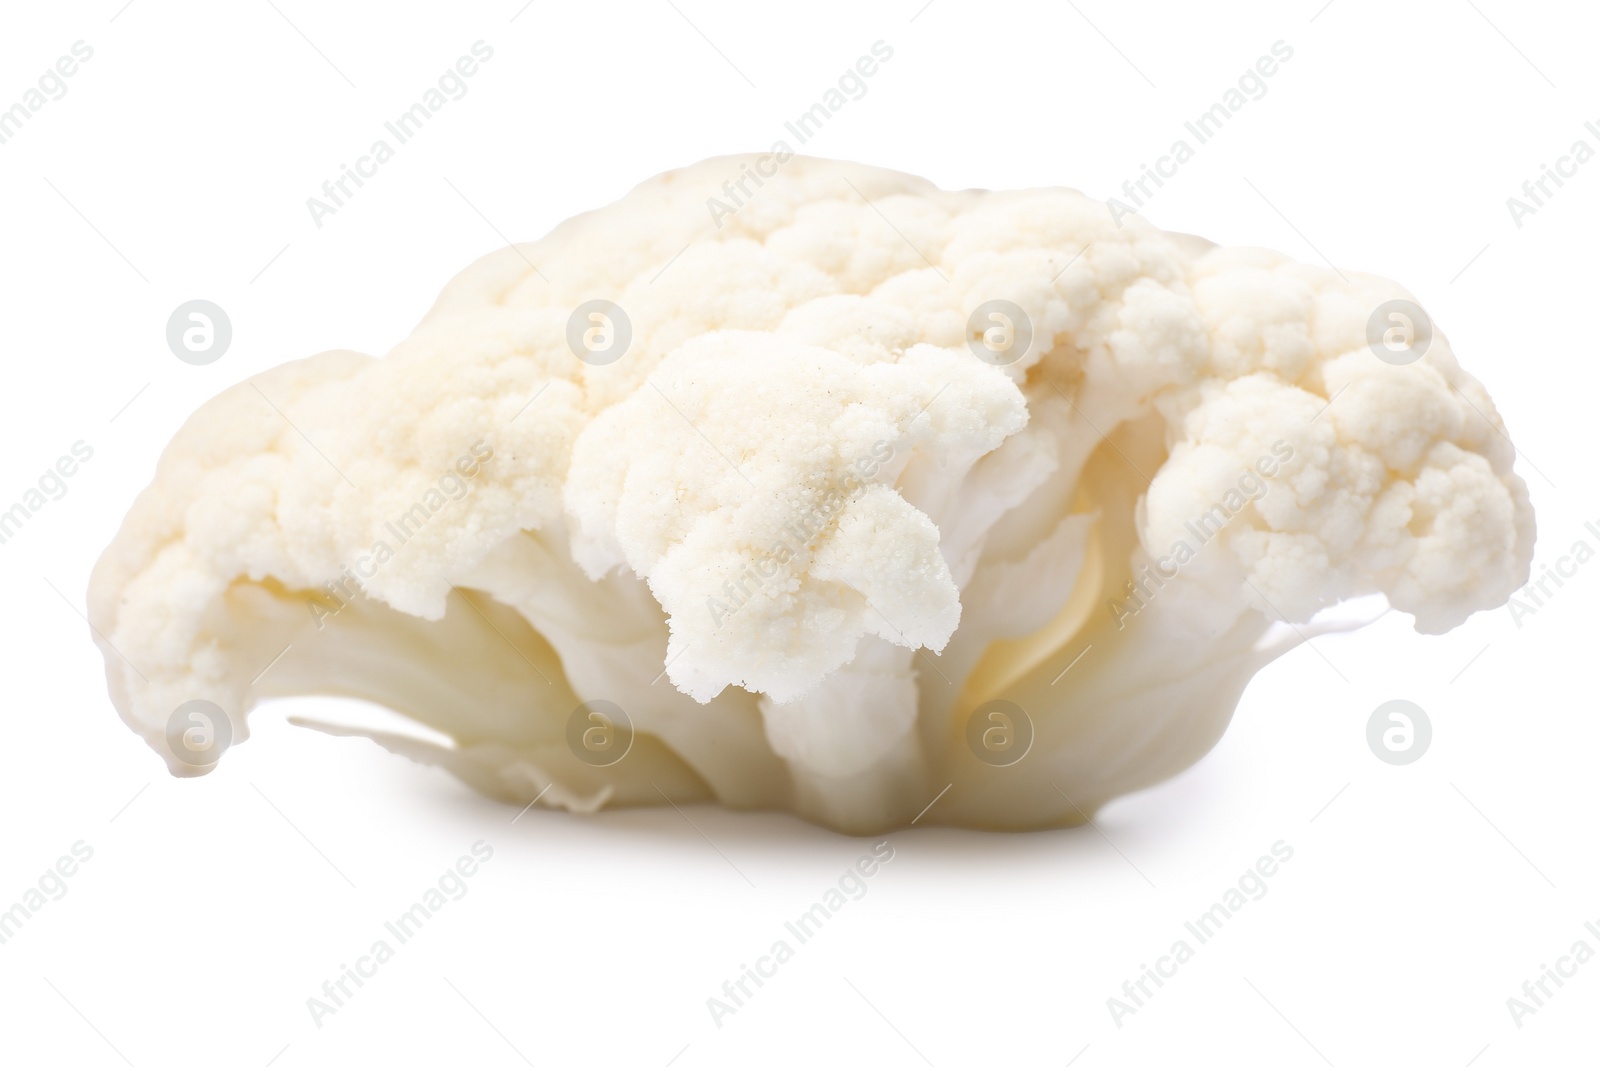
(873,494)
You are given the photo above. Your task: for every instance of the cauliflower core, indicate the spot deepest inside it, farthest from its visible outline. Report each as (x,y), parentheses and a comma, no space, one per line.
(870,490)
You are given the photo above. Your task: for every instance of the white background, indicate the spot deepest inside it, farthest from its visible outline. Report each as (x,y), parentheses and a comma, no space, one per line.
(177,166)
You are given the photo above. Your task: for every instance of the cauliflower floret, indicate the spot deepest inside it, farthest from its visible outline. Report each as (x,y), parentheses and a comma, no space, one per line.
(743,484)
(800,523)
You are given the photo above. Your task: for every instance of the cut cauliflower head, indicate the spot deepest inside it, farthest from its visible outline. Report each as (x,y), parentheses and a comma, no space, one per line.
(867,489)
